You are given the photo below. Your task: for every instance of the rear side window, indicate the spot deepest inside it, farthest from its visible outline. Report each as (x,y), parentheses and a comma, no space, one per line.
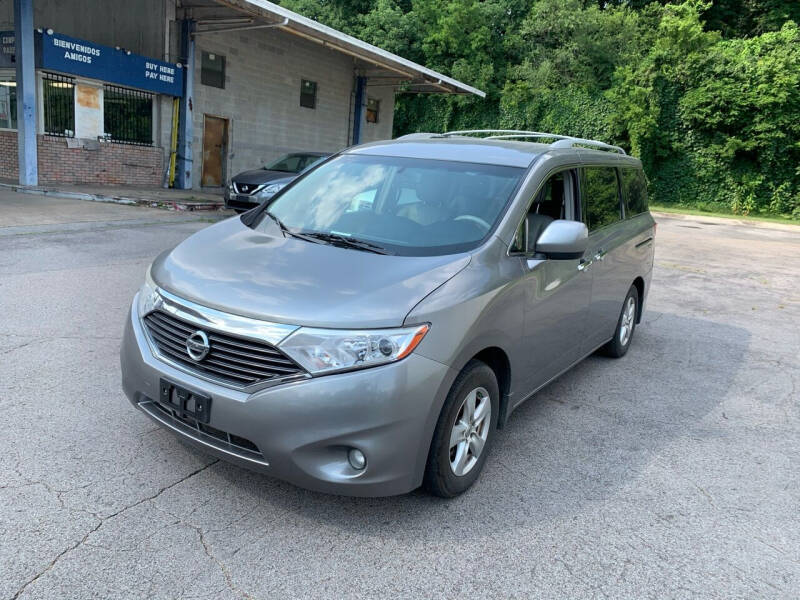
(634,191)
(600,197)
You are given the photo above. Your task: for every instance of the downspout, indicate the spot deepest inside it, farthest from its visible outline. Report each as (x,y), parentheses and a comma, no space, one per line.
(183,174)
(358,109)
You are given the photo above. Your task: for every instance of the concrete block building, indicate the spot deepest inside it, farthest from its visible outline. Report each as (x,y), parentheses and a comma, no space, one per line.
(187,92)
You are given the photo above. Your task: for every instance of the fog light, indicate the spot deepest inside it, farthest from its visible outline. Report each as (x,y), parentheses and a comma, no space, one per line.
(357,459)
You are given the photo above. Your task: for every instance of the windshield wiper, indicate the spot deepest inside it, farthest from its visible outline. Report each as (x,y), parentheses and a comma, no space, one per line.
(337,239)
(285,230)
(334,239)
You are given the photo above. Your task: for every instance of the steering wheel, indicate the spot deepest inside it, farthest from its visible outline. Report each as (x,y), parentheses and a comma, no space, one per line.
(474,219)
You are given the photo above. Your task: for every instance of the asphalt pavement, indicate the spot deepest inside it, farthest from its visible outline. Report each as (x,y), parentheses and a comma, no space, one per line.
(671,473)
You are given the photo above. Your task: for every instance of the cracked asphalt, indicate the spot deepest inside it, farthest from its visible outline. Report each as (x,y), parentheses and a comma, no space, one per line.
(672,473)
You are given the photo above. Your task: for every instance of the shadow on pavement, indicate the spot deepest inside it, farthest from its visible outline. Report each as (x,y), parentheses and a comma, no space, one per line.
(580,440)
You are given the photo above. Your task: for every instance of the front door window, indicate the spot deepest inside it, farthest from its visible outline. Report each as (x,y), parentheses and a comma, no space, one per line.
(554,200)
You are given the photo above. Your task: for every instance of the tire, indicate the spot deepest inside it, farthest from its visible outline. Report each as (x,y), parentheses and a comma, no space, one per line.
(618,346)
(452,469)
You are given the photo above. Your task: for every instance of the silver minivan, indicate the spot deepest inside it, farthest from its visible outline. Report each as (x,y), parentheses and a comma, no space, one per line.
(371,328)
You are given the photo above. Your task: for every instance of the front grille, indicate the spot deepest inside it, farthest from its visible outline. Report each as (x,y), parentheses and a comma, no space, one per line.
(210,435)
(246,188)
(235,360)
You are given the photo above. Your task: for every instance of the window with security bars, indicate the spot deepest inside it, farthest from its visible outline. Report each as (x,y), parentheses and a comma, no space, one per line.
(127,116)
(58,100)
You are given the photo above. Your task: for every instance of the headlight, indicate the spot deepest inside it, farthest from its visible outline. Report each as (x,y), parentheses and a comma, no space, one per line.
(273,189)
(148,295)
(327,350)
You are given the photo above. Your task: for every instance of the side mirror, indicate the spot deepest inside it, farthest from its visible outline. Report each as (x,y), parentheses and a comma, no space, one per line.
(563,240)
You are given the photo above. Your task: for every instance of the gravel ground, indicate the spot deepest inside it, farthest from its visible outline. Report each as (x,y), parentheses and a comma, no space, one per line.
(672,473)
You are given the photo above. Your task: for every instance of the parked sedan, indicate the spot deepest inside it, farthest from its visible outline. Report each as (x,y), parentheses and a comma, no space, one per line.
(250,188)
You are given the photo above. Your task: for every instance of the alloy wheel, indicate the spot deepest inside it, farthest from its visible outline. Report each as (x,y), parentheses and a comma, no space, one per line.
(628,319)
(470,431)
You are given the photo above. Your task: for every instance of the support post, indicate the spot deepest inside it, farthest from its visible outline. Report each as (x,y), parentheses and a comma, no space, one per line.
(183,174)
(358,108)
(26,93)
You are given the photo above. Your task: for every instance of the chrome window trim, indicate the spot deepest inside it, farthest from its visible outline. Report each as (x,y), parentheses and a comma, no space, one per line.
(215,320)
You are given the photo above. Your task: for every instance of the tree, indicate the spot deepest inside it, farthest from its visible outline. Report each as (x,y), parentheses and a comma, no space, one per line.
(715,121)
(705,93)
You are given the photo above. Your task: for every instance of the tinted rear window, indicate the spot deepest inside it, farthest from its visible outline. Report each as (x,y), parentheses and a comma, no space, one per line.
(600,197)
(634,190)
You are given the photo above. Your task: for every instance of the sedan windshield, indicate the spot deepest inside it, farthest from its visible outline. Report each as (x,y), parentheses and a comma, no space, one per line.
(405,206)
(293,163)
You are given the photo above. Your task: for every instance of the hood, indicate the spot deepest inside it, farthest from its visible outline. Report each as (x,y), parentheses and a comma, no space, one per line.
(261,176)
(263,275)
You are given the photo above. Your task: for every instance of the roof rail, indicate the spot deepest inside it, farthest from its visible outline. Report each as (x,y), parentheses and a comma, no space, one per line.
(562,141)
(573,141)
(502,132)
(419,136)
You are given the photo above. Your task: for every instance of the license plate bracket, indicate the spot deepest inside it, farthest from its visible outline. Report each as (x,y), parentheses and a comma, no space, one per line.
(186,403)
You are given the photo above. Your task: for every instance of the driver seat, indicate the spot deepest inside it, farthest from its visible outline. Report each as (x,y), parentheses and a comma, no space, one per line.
(430,192)
(537,224)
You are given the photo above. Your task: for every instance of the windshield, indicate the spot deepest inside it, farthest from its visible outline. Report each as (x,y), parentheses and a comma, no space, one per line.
(407,206)
(293,163)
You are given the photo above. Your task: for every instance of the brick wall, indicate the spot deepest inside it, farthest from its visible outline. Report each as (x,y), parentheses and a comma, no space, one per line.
(107,164)
(9,162)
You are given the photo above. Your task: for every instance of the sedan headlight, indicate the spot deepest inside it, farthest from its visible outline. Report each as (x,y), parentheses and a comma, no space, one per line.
(271,190)
(148,295)
(322,351)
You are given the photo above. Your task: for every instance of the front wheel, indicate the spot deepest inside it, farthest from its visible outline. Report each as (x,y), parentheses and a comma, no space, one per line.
(465,431)
(626,325)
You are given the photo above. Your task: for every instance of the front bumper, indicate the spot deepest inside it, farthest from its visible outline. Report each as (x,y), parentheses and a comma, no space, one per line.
(241,201)
(304,429)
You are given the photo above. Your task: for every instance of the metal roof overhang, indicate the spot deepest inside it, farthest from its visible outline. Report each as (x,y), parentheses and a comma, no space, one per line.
(392,70)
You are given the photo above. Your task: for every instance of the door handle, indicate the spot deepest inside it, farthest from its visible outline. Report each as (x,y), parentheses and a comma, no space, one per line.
(584,264)
(601,255)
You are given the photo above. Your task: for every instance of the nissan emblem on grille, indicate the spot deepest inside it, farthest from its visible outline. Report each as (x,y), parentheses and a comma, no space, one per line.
(197,345)
(216,354)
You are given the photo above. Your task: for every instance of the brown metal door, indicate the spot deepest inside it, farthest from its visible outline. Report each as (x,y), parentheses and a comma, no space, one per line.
(215,146)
